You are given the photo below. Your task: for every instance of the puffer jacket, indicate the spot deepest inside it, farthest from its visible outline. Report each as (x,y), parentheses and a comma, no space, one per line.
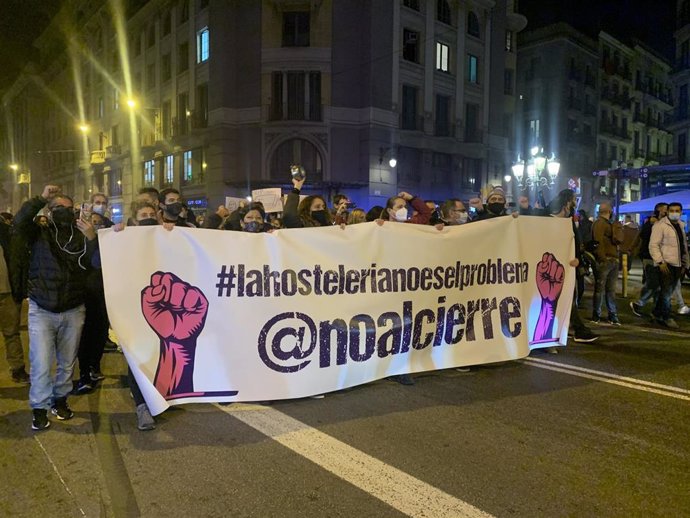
(56,278)
(664,246)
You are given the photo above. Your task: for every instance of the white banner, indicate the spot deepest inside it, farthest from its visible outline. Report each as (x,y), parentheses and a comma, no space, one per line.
(206,315)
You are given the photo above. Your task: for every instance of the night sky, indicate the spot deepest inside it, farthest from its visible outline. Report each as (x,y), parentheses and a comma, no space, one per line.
(650,21)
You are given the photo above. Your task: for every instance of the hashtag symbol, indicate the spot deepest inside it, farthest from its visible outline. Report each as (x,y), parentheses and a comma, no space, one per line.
(226,281)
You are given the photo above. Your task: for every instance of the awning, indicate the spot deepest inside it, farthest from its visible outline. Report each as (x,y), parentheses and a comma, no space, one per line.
(647,205)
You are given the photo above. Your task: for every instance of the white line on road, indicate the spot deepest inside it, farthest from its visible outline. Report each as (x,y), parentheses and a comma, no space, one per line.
(614,379)
(396,488)
(64,484)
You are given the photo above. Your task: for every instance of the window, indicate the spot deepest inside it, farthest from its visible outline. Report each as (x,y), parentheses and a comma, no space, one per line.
(151,37)
(534,130)
(296,29)
(101,108)
(442,57)
(201,112)
(184,11)
(472,65)
(509,41)
(168,171)
(166,119)
(472,133)
(149,173)
(182,57)
(443,11)
(192,170)
(412,4)
(116,99)
(115,182)
(115,135)
(508,81)
(166,25)
(303,96)
(442,124)
(683,102)
(151,76)
(410,45)
(572,127)
(182,127)
(187,169)
(202,45)
(409,108)
(166,68)
(473,25)
(136,45)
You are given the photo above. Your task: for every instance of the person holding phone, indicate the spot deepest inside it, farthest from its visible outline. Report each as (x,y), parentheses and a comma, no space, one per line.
(310,212)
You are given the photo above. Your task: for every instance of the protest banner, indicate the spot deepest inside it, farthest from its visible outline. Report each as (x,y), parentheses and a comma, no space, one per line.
(234,316)
(271,199)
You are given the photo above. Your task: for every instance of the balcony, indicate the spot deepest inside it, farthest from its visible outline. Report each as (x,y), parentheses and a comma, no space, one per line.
(180,126)
(618,99)
(614,131)
(411,122)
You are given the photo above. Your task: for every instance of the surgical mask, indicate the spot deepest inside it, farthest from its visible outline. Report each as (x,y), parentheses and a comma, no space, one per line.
(62,216)
(496,208)
(674,217)
(147,222)
(253,226)
(98,209)
(462,218)
(401,214)
(320,217)
(174,209)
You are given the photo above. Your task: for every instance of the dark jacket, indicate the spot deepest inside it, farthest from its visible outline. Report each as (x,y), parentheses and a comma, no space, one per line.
(59,260)
(16,255)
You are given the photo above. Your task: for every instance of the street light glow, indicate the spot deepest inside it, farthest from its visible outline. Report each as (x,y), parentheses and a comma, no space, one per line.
(507,178)
(249,199)
(84,128)
(14,167)
(392,162)
(131,103)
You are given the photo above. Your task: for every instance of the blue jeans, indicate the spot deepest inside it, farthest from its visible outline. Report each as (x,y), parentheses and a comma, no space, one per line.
(607,276)
(52,337)
(651,282)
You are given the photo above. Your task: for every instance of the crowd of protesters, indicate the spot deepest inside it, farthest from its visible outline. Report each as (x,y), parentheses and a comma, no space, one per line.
(51,256)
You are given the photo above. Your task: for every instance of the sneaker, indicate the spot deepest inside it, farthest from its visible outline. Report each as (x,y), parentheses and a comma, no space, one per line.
(552,350)
(403,379)
(636,309)
(40,419)
(19,375)
(670,323)
(595,320)
(614,321)
(61,410)
(145,420)
(84,386)
(110,346)
(462,369)
(95,375)
(585,336)
(685,310)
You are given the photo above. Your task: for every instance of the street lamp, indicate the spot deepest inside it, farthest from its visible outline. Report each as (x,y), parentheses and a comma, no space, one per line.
(84,128)
(131,103)
(14,167)
(383,152)
(530,172)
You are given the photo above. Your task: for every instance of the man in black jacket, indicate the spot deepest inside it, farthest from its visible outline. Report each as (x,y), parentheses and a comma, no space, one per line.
(10,305)
(60,256)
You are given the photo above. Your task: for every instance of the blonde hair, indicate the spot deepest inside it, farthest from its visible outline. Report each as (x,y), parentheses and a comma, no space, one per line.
(357,216)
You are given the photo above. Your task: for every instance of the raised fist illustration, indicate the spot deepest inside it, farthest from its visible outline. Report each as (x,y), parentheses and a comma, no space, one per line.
(550,276)
(176,311)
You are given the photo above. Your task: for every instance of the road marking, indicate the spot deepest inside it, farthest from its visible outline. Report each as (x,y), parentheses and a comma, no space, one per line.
(614,379)
(62,480)
(396,488)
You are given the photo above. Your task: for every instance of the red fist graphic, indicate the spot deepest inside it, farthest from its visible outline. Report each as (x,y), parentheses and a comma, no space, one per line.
(174,309)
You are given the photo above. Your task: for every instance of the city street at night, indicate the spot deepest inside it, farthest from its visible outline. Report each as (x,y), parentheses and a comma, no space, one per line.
(600,430)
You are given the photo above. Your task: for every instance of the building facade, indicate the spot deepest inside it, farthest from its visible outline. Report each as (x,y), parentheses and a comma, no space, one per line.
(597,104)
(218,98)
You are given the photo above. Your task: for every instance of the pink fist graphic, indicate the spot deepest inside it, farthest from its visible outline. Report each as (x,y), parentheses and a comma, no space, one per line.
(176,311)
(550,278)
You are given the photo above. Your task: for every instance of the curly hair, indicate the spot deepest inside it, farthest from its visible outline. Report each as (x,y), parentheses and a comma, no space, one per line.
(304,211)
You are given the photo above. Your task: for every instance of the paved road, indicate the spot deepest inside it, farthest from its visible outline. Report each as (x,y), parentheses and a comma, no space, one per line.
(598,430)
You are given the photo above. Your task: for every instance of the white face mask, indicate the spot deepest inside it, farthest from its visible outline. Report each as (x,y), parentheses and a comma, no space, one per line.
(401,214)
(462,218)
(674,217)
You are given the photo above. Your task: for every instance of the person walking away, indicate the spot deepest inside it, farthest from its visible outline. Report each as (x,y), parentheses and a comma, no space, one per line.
(609,235)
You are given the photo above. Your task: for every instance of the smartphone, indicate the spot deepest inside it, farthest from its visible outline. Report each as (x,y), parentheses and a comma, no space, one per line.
(350,205)
(298,172)
(85,211)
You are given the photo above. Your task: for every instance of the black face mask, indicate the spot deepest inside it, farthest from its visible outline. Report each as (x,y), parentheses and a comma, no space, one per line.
(496,208)
(320,217)
(174,209)
(148,222)
(62,216)
(253,226)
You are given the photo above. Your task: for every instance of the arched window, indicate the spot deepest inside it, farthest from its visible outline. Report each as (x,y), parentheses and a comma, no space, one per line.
(473,24)
(443,11)
(296,151)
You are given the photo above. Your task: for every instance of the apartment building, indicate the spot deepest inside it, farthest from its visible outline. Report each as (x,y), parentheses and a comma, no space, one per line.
(218,98)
